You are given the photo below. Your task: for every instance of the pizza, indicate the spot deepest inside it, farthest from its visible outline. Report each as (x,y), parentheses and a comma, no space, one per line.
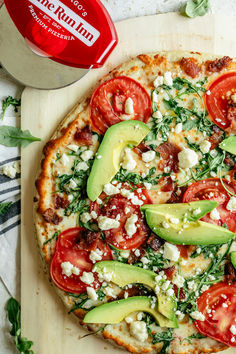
(135,205)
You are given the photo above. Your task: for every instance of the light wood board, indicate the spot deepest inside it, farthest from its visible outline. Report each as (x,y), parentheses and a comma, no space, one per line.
(44,318)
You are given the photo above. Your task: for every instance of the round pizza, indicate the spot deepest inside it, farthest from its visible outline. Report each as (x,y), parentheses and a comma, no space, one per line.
(135,208)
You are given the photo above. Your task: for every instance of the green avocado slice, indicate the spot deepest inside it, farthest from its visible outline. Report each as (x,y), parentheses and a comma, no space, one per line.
(233,258)
(196,233)
(229,144)
(190,211)
(116,311)
(108,157)
(124,274)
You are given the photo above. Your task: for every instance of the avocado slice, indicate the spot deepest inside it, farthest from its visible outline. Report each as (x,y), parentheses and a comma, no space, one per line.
(108,157)
(197,232)
(116,311)
(229,144)
(183,210)
(233,258)
(124,274)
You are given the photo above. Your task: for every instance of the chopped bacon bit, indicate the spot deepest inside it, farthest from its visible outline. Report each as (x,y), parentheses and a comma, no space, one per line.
(218,64)
(169,153)
(169,272)
(90,237)
(216,137)
(228,161)
(167,185)
(119,103)
(60,202)
(231,116)
(230,272)
(141,148)
(133,258)
(134,291)
(190,66)
(84,136)
(181,292)
(177,197)
(155,242)
(51,216)
(183,250)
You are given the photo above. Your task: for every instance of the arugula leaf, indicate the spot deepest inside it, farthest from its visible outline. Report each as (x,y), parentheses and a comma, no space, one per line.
(193,146)
(12,136)
(156,260)
(195,8)
(134,178)
(207,251)
(165,337)
(55,235)
(117,254)
(14,314)
(8,102)
(4,207)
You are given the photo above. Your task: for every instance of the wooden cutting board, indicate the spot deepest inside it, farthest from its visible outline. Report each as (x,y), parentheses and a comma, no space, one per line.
(44,318)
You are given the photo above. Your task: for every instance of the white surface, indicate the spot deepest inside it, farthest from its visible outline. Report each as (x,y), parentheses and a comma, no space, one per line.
(119,9)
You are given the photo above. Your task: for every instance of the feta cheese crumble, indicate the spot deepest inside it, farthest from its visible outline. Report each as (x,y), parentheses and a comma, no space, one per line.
(86,155)
(231,204)
(129,106)
(130,226)
(168,78)
(138,329)
(105,223)
(187,158)
(68,269)
(233,329)
(158,81)
(214,214)
(128,161)
(95,255)
(171,252)
(148,156)
(11,170)
(196,315)
(92,293)
(205,146)
(109,189)
(87,278)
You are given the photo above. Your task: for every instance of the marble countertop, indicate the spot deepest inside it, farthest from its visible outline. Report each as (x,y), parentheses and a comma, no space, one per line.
(119,9)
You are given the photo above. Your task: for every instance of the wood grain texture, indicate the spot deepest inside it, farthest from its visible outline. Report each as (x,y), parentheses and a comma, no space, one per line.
(44,318)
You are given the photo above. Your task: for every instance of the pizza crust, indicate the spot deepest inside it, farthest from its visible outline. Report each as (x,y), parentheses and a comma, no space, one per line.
(143,69)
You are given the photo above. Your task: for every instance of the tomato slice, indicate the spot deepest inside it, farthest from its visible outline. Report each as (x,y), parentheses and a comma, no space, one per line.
(108,102)
(218,317)
(119,205)
(71,247)
(212,189)
(216,102)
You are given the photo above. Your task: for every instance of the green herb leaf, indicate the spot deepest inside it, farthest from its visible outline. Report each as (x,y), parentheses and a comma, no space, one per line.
(4,207)
(195,8)
(165,337)
(14,313)
(8,102)
(55,235)
(12,136)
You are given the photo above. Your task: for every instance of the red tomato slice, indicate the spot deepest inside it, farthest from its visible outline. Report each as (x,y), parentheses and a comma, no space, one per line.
(212,189)
(116,206)
(216,102)
(72,248)
(218,322)
(108,100)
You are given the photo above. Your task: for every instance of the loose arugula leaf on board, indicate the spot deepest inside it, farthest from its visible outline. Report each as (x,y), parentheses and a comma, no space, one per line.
(9,101)
(12,136)
(23,345)
(195,8)
(4,207)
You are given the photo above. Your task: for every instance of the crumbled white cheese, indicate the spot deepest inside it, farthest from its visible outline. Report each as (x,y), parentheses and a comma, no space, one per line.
(178,128)
(138,330)
(93,214)
(180,315)
(171,252)
(127,210)
(165,225)
(136,201)
(154,96)
(109,189)
(213,153)
(105,223)
(110,292)
(233,329)
(158,81)
(168,78)
(187,158)
(137,252)
(72,184)
(85,217)
(95,255)
(165,285)
(157,115)
(73,147)
(128,319)
(70,197)
(192,286)
(68,269)
(224,305)
(139,316)
(204,288)
(128,161)
(130,226)
(196,315)
(196,211)
(86,155)
(205,146)
(125,254)
(148,156)
(233,97)
(129,106)
(231,204)
(157,289)
(174,220)
(64,159)
(144,260)
(11,170)
(99,201)
(147,185)
(178,280)
(170,292)
(214,214)
(92,293)
(82,166)
(87,278)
